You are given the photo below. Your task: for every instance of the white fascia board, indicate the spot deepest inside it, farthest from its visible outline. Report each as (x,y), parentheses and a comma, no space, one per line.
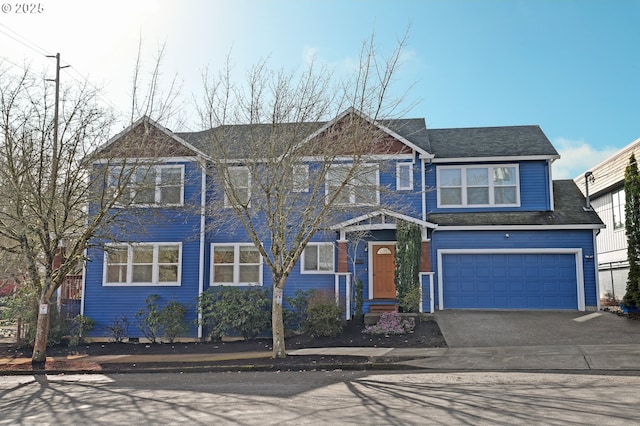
(148,160)
(492,159)
(371,157)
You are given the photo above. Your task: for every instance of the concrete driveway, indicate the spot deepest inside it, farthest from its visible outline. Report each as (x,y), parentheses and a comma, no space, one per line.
(463,329)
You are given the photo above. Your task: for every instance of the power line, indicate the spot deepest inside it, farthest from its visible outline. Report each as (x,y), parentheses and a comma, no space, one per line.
(31,45)
(41,51)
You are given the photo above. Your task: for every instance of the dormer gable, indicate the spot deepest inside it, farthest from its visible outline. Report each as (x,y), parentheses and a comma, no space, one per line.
(380,137)
(146,139)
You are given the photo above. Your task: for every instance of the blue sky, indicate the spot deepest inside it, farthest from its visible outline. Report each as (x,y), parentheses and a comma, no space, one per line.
(572,67)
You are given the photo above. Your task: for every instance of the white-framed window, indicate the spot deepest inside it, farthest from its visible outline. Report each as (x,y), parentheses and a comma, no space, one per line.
(240,187)
(404,176)
(318,258)
(618,204)
(478,186)
(150,185)
(362,189)
(235,264)
(300,178)
(143,264)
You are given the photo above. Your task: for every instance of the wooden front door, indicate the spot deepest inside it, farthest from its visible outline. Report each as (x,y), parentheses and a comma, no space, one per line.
(384,265)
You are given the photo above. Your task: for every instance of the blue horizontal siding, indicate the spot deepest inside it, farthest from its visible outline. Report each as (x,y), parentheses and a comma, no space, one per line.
(534,189)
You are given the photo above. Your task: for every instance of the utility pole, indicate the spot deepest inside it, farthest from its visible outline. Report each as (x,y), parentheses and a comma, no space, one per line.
(40,342)
(55,110)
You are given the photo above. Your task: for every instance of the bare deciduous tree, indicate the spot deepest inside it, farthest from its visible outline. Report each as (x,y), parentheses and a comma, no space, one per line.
(55,200)
(291,155)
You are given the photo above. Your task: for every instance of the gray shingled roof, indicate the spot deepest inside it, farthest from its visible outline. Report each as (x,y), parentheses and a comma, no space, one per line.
(475,142)
(414,130)
(508,141)
(569,203)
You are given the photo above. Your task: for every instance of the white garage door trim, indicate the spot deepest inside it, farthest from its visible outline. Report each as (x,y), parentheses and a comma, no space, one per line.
(577,252)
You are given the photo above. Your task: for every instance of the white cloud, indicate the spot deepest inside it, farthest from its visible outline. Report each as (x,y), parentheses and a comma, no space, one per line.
(309,54)
(577,156)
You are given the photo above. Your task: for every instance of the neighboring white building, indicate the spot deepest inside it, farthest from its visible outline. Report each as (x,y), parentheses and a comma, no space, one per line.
(603,185)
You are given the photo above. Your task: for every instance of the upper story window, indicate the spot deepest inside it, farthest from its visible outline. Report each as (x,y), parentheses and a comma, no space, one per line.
(143,264)
(300,178)
(361,189)
(239,187)
(150,185)
(317,258)
(235,264)
(404,176)
(618,204)
(473,186)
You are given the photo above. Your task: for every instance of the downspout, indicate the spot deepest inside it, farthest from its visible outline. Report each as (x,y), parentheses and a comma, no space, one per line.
(84,282)
(596,269)
(423,189)
(203,188)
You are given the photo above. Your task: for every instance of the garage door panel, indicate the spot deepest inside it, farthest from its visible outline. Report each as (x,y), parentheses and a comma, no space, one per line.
(509,281)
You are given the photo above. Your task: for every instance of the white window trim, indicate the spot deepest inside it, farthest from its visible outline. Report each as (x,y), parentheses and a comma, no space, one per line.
(227,202)
(352,202)
(155,282)
(622,210)
(316,272)
(399,167)
(158,186)
(236,266)
(463,169)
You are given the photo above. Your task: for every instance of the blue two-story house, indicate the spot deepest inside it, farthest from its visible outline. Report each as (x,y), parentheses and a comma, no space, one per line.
(497,231)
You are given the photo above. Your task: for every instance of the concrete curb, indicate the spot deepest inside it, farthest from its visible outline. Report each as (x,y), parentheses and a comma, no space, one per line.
(601,358)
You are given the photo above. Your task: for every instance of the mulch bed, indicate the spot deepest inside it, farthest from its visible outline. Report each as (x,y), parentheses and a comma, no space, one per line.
(425,335)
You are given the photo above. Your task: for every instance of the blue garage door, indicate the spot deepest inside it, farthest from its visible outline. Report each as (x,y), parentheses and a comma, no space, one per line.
(509,281)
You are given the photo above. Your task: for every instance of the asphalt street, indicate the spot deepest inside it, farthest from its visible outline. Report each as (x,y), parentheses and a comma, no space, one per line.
(263,398)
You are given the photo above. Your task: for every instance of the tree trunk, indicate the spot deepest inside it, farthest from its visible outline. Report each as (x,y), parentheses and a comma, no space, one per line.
(277,323)
(39,356)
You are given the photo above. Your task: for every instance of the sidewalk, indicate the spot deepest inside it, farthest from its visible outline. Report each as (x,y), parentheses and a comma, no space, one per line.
(508,358)
(558,357)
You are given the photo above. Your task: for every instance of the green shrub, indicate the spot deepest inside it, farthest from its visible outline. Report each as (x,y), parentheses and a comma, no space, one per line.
(231,309)
(172,320)
(24,304)
(296,314)
(148,318)
(358,299)
(118,328)
(410,300)
(324,316)
(407,272)
(78,328)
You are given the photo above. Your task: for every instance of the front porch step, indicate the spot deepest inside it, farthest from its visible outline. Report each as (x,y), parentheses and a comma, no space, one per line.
(373,308)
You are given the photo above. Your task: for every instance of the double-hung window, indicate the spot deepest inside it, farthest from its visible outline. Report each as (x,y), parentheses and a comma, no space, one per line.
(143,264)
(404,176)
(355,185)
(300,177)
(235,264)
(238,187)
(473,186)
(149,185)
(318,258)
